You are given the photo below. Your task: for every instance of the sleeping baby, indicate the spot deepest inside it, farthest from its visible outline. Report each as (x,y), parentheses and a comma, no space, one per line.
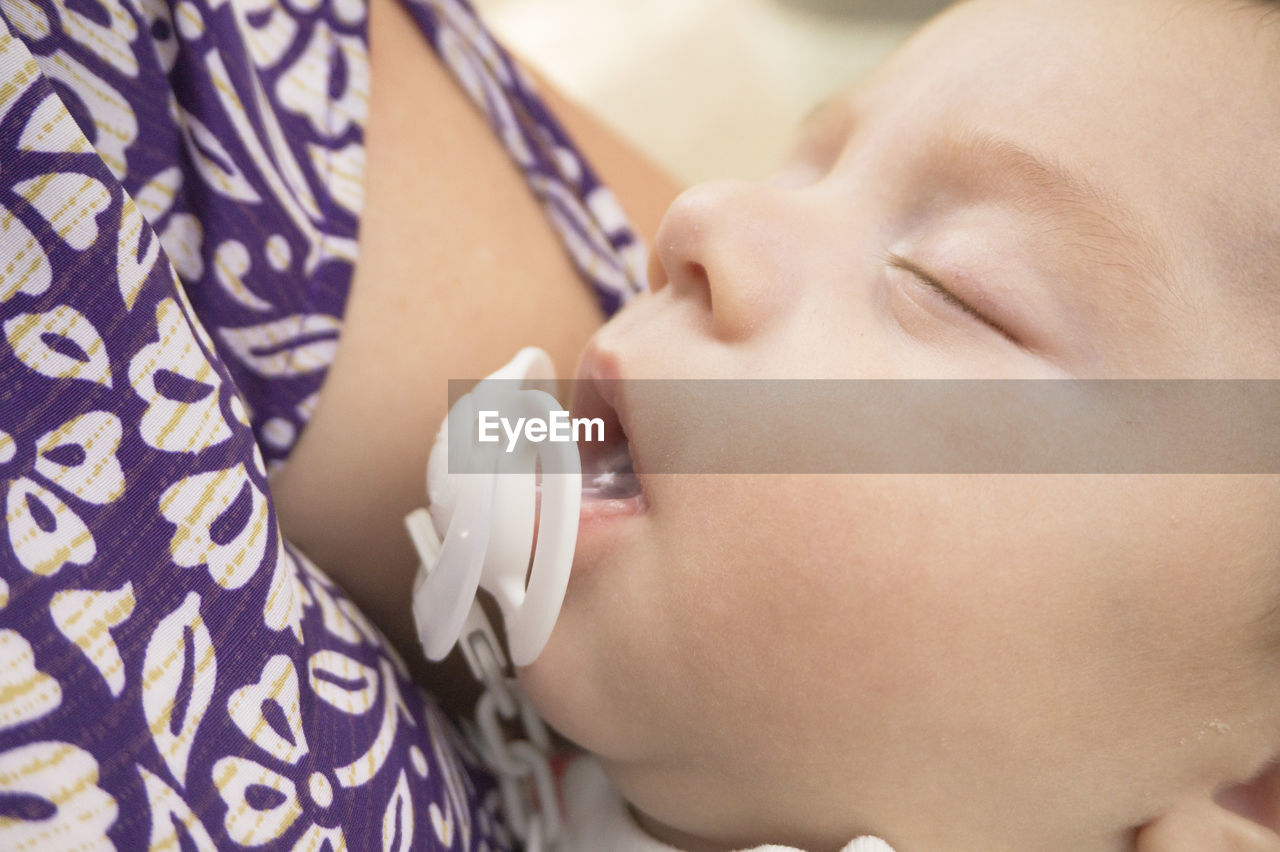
(1029,189)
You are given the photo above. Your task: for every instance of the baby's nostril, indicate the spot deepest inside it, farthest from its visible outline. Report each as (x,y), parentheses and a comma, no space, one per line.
(697,279)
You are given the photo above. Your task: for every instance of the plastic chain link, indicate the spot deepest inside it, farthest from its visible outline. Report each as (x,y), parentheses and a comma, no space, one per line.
(525,782)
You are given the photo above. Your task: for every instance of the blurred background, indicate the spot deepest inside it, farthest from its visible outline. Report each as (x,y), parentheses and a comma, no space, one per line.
(707,88)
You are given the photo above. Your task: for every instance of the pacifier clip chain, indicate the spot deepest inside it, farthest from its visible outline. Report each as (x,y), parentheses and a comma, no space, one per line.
(479,532)
(526,785)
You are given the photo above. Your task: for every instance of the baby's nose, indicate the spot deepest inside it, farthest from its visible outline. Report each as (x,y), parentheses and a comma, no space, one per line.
(731,246)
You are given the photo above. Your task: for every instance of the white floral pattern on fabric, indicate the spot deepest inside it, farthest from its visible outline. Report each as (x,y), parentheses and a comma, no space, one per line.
(185,415)
(60,343)
(29,693)
(86,619)
(78,458)
(179,204)
(66,777)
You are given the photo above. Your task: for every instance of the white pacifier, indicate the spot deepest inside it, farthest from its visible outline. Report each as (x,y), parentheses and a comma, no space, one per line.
(479,531)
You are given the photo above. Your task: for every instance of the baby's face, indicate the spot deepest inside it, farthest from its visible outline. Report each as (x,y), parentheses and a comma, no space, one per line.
(976,662)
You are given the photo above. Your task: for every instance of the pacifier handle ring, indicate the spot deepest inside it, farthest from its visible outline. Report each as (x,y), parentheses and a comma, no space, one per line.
(483,551)
(532,619)
(463,551)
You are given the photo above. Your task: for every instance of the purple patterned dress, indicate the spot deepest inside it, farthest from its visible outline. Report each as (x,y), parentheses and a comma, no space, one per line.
(180,189)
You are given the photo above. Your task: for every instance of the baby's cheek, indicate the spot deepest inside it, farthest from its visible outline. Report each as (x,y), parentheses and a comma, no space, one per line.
(877,590)
(803,580)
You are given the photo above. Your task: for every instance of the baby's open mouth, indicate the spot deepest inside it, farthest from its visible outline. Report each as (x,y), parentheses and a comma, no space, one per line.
(611,476)
(608,469)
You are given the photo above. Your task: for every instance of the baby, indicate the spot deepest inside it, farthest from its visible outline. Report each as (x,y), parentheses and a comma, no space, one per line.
(958,663)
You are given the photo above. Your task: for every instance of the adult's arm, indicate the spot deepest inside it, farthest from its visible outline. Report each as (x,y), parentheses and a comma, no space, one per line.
(458,267)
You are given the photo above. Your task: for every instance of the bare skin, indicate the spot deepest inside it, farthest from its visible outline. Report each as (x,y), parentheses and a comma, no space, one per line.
(458,265)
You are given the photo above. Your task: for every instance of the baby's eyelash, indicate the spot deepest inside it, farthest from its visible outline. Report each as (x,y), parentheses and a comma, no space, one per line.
(899,262)
(905,265)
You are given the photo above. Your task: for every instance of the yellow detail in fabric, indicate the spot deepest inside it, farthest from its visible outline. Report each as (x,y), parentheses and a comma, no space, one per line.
(27,335)
(26,693)
(22,76)
(44,552)
(98,478)
(86,617)
(165,672)
(195,504)
(26,267)
(70,202)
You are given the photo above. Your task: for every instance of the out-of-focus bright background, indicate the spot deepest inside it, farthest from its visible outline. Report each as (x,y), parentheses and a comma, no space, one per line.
(707,88)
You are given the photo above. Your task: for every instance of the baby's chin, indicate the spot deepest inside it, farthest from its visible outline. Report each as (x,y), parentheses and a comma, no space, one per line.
(564,694)
(567,682)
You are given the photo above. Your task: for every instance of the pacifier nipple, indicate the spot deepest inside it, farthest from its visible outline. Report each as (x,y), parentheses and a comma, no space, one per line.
(479,531)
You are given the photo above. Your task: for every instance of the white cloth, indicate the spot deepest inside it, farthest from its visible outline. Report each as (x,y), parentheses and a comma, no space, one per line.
(596,818)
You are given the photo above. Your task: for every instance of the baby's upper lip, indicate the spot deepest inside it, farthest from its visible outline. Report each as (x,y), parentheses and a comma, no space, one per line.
(599,370)
(599,391)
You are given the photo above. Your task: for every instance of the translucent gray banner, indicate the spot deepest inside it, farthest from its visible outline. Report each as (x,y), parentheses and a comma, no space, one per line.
(890,426)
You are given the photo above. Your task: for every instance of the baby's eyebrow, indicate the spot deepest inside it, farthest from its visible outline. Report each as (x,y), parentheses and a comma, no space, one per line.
(1106,230)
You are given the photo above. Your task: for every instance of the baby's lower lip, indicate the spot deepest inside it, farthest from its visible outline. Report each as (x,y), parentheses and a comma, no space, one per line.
(597,510)
(604,527)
